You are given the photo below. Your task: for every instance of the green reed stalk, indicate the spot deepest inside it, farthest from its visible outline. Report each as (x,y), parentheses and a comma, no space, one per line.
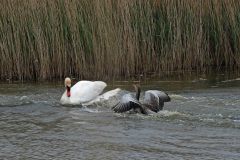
(111,39)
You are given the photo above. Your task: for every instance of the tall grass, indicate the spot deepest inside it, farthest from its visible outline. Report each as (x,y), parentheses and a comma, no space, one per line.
(109,39)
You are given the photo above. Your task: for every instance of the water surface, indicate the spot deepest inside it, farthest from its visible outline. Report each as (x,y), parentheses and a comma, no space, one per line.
(201,122)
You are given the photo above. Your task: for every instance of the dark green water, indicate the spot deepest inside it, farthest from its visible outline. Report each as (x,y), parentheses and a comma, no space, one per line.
(201,122)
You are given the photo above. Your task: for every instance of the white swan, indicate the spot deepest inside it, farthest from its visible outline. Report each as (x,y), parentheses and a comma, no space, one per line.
(84,92)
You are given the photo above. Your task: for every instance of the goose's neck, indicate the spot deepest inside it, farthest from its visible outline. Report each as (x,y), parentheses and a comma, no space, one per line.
(138,91)
(68,91)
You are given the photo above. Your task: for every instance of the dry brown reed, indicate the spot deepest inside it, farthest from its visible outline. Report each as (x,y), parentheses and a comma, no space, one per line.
(109,39)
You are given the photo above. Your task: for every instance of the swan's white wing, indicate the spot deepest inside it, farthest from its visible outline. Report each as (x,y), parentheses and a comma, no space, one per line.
(86,91)
(155,99)
(104,97)
(127,102)
(110,94)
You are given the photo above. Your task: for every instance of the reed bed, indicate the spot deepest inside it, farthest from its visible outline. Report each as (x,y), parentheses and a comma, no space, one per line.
(112,39)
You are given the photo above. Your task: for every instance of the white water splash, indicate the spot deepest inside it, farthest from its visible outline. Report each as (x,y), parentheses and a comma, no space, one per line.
(167,113)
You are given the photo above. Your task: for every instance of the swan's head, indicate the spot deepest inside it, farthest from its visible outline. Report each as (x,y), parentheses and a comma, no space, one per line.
(67,83)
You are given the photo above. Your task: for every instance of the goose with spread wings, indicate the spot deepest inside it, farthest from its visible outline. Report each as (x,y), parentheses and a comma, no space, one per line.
(153,102)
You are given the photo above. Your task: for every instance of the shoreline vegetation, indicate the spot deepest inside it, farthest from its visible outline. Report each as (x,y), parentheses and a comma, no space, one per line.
(112,39)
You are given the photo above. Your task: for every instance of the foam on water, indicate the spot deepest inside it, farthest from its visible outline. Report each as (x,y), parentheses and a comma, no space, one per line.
(177,97)
(160,115)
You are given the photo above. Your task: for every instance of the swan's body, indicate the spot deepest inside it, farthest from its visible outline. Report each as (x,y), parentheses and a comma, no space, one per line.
(153,102)
(81,92)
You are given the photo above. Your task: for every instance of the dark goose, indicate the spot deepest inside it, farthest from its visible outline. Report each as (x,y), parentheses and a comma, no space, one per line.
(153,101)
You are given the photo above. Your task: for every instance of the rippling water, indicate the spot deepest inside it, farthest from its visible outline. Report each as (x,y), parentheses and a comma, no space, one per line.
(201,122)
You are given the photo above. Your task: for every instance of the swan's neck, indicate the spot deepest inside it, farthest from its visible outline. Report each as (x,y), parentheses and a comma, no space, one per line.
(138,91)
(68,91)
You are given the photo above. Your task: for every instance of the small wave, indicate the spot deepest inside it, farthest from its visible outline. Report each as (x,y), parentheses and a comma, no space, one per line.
(178,97)
(167,113)
(153,115)
(14,101)
(207,119)
(79,112)
(219,115)
(23,98)
(82,122)
(90,110)
(236,120)
(199,80)
(231,80)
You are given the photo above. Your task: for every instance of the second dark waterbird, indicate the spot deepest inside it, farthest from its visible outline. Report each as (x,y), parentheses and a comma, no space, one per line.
(153,101)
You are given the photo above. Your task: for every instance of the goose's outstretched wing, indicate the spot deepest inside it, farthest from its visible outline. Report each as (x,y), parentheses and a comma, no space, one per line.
(164,96)
(127,102)
(154,100)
